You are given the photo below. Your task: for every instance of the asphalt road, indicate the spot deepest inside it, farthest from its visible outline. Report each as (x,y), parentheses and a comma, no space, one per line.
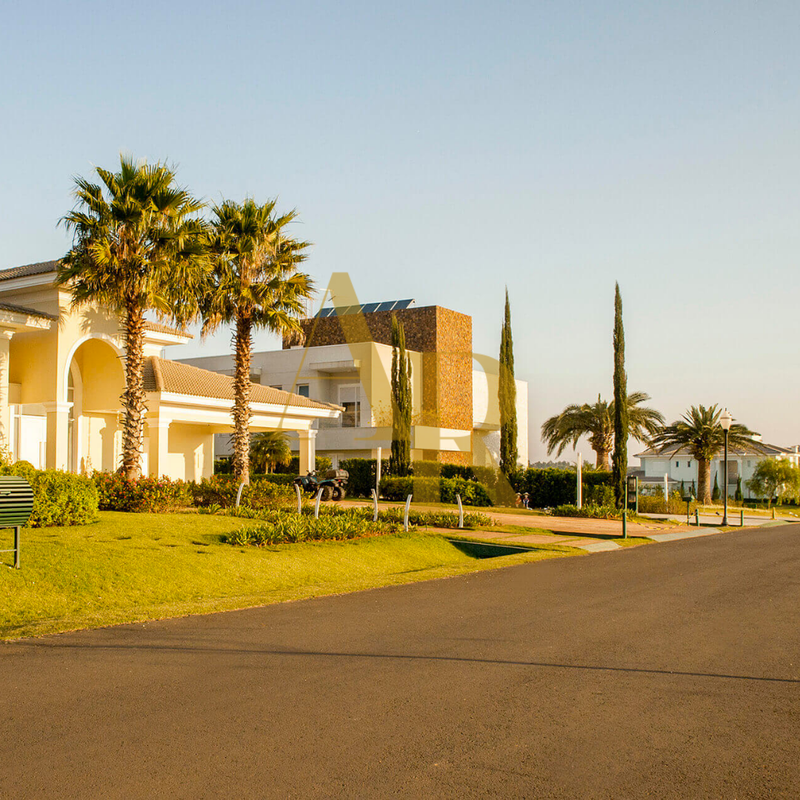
(671,670)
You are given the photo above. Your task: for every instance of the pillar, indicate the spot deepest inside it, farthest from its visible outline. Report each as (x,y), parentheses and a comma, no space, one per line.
(57,435)
(308,450)
(158,435)
(5,413)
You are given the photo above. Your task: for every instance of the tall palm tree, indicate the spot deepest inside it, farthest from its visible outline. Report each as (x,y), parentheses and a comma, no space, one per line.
(254,284)
(269,448)
(699,431)
(597,422)
(138,246)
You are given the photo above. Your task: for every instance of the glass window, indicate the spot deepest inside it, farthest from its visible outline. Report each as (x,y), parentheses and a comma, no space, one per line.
(350,398)
(302,389)
(677,463)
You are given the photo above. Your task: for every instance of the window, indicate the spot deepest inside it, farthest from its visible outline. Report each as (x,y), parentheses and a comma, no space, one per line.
(277,386)
(677,463)
(350,398)
(688,463)
(302,389)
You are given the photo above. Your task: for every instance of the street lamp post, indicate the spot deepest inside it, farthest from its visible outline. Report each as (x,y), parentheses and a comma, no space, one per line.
(725,421)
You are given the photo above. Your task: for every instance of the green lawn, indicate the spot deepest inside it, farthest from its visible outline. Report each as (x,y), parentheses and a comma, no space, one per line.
(133,567)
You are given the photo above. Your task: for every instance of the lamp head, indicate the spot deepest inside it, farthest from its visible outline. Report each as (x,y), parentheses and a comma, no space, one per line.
(725,420)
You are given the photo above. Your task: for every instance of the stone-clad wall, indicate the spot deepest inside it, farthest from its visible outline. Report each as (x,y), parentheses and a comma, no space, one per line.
(444,338)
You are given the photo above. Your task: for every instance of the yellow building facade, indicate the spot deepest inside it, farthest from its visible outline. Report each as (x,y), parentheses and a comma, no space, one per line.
(62,376)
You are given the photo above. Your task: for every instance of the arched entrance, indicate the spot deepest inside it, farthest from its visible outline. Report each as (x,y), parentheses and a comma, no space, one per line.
(94,383)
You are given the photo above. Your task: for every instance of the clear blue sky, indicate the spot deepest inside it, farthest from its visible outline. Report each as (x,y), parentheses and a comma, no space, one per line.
(444,150)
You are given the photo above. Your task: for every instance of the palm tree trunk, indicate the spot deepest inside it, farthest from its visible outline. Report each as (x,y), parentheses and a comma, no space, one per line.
(133,398)
(704,480)
(602,459)
(241,404)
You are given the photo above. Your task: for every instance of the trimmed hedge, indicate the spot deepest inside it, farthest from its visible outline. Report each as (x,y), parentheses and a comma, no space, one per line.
(362,474)
(548,488)
(145,495)
(435,490)
(59,498)
(221,490)
(590,511)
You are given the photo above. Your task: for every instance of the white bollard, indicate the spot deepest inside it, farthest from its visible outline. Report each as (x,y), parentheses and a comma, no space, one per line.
(374,506)
(580,481)
(460,512)
(299,499)
(405,519)
(316,505)
(239,494)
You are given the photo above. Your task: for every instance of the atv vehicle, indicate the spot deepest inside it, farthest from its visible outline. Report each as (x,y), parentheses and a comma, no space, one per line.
(333,483)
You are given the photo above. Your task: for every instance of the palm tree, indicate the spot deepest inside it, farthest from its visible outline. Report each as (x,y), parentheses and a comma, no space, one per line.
(597,422)
(699,432)
(269,448)
(138,246)
(254,284)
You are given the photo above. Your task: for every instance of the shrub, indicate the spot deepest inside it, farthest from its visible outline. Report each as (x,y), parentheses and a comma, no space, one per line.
(362,474)
(654,503)
(293,467)
(548,488)
(593,512)
(221,490)
(144,495)
(283,528)
(435,490)
(59,498)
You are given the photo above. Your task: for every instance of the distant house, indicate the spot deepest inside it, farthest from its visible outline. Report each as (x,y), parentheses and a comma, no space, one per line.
(344,357)
(679,465)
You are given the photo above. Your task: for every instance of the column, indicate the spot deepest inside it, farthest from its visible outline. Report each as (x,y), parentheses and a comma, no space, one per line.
(158,435)
(5,415)
(57,435)
(308,450)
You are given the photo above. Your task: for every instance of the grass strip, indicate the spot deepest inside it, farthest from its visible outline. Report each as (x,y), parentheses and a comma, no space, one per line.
(135,567)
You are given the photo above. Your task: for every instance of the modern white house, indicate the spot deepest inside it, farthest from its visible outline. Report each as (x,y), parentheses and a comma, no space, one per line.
(455,416)
(678,465)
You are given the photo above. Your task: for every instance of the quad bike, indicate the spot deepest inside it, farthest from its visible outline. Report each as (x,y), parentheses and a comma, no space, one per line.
(333,483)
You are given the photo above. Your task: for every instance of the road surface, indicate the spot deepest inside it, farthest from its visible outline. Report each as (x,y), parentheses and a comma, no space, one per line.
(670,670)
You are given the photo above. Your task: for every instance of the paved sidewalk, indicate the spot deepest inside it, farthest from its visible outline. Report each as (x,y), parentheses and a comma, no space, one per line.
(592,535)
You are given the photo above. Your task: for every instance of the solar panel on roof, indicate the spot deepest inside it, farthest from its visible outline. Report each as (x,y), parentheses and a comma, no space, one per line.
(364,308)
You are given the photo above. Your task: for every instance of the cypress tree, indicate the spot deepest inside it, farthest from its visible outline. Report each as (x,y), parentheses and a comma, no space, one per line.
(507,397)
(715,494)
(400,460)
(619,462)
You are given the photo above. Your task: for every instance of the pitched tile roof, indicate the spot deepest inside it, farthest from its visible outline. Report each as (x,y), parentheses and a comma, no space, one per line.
(157,327)
(161,375)
(31,312)
(29,269)
(762,450)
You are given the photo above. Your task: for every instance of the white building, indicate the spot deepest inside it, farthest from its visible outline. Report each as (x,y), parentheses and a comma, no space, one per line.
(678,465)
(455,416)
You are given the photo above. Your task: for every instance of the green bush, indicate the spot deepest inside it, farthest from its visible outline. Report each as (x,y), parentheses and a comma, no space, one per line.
(281,478)
(282,528)
(548,488)
(145,495)
(59,498)
(435,490)
(362,474)
(592,512)
(221,490)
(654,503)
(293,467)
